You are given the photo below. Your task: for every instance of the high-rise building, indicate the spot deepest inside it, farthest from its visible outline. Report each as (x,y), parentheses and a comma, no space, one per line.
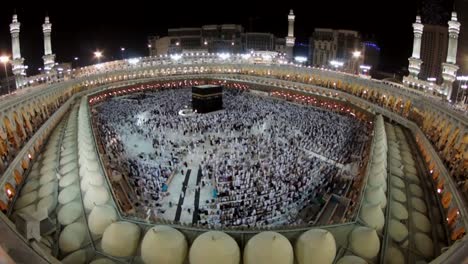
(323,46)
(433,51)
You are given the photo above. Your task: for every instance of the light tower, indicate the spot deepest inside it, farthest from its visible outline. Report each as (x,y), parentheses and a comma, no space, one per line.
(449,68)
(49,58)
(17,62)
(415,60)
(290,39)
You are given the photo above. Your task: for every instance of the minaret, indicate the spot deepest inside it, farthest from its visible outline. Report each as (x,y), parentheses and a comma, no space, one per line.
(415,60)
(49,58)
(17,62)
(290,39)
(449,68)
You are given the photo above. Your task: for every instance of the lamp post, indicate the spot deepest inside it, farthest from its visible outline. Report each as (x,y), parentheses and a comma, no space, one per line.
(5,60)
(356,56)
(98,55)
(122,51)
(460,86)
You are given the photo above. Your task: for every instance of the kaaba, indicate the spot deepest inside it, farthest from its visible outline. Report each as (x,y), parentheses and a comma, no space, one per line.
(207,98)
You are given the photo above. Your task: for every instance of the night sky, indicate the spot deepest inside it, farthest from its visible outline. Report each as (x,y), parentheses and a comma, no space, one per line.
(81,27)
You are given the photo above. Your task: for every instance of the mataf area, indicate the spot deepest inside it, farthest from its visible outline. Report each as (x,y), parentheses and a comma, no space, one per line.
(258,162)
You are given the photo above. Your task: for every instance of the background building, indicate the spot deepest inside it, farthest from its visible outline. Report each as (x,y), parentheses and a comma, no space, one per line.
(371,54)
(341,45)
(462,56)
(259,41)
(433,51)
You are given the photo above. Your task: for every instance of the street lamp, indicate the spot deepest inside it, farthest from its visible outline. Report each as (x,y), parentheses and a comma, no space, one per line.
(98,55)
(356,55)
(122,51)
(5,60)
(460,86)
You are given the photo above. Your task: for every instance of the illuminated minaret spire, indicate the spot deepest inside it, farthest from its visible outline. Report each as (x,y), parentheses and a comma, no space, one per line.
(17,62)
(415,60)
(290,39)
(49,58)
(449,68)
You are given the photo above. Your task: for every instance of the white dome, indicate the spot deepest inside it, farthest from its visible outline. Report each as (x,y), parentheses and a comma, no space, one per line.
(376,195)
(399,211)
(416,190)
(412,178)
(394,256)
(397,182)
(377,180)
(68,167)
(424,244)
(365,242)
(69,213)
(373,216)
(398,195)
(48,202)
(421,222)
(163,244)
(77,257)
(25,200)
(397,230)
(68,194)
(68,179)
(419,205)
(95,196)
(120,239)
(410,169)
(47,189)
(351,260)
(100,218)
(67,159)
(47,177)
(72,237)
(94,178)
(102,261)
(397,172)
(214,247)
(268,248)
(316,246)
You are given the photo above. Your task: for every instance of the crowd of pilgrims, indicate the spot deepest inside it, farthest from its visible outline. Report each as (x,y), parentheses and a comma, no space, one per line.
(257,152)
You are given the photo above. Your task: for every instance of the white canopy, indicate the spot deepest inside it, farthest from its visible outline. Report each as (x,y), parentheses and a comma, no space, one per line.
(397,230)
(72,237)
(398,211)
(163,244)
(69,213)
(365,242)
(424,245)
(316,246)
(120,239)
(373,216)
(376,195)
(421,222)
(214,247)
(268,248)
(351,260)
(100,218)
(95,196)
